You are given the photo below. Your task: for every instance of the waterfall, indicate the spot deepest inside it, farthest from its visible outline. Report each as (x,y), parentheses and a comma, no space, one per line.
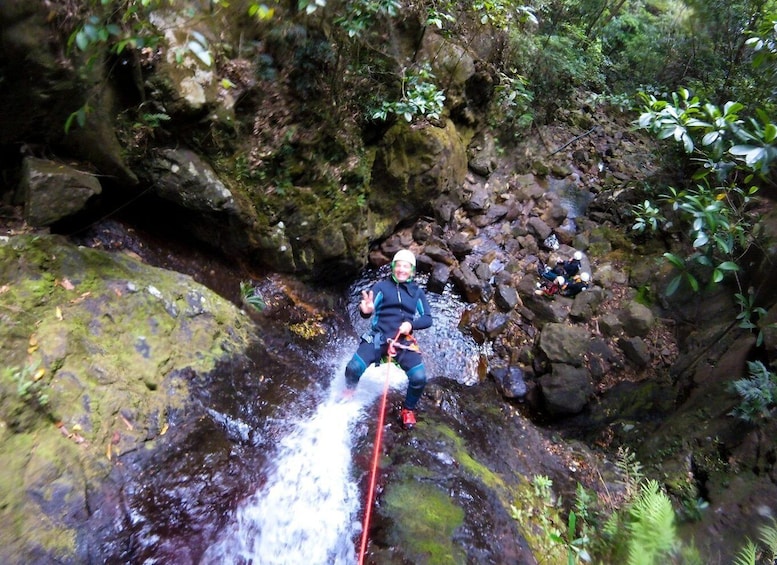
(309,510)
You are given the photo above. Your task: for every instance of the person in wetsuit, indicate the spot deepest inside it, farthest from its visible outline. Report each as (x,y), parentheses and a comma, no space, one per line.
(397,306)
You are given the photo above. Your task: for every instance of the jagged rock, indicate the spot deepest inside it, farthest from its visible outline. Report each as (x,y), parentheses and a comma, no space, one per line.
(412,167)
(510,380)
(438,278)
(566,390)
(586,304)
(494,214)
(495,323)
(526,188)
(468,283)
(112,374)
(181,176)
(610,325)
(423,230)
(185,79)
(478,200)
(424,263)
(539,228)
(53,191)
(607,275)
(635,350)
(459,245)
(506,297)
(603,359)
(444,207)
(483,272)
(482,154)
(555,214)
(438,251)
(563,343)
(637,319)
(40,91)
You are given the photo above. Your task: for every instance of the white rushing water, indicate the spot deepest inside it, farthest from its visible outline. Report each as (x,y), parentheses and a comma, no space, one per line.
(309,511)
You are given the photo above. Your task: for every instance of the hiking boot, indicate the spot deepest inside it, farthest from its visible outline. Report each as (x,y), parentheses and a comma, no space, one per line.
(408,419)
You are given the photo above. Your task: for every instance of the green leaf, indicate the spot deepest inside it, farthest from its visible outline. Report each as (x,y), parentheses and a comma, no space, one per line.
(710,138)
(701,240)
(82,40)
(674,285)
(674,260)
(740,150)
(728,266)
(69,122)
(201,52)
(732,108)
(770,133)
(687,143)
(755,156)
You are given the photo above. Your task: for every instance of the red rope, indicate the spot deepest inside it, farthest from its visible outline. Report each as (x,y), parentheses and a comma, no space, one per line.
(376,454)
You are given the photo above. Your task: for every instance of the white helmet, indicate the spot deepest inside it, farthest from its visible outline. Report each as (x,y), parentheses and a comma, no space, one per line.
(578,255)
(585,277)
(404,255)
(559,280)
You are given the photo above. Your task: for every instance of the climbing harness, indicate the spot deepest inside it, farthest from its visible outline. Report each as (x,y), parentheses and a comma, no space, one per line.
(393,344)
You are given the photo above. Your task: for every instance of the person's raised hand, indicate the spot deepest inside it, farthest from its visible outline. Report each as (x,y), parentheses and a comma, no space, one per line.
(367,304)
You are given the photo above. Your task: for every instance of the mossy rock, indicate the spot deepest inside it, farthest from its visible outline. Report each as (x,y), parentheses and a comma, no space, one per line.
(99,353)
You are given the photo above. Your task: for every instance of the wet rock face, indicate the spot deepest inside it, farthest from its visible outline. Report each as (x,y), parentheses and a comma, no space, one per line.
(53,191)
(180,493)
(94,371)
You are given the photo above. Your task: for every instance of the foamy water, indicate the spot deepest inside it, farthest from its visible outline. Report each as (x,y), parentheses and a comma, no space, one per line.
(309,511)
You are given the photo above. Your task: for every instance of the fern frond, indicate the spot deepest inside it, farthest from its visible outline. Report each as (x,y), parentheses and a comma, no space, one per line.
(652,526)
(612,526)
(747,554)
(769,538)
(631,469)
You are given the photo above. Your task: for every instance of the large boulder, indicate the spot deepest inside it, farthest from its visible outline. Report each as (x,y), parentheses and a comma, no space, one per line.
(413,166)
(95,374)
(563,343)
(53,191)
(566,390)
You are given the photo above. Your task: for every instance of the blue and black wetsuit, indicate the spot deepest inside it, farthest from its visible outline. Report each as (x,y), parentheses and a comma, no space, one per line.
(394,303)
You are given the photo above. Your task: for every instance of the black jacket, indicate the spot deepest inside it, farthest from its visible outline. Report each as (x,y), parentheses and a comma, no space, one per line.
(399,302)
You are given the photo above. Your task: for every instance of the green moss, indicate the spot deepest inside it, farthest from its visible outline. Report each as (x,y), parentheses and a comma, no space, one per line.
(469,463)
(32,462)
(114,338)
(426,519)
(540,520)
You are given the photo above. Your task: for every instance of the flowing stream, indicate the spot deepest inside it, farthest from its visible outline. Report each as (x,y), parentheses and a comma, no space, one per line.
(309,510)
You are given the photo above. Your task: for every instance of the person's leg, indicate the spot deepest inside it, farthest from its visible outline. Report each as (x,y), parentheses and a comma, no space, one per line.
(365,354)
(413,365)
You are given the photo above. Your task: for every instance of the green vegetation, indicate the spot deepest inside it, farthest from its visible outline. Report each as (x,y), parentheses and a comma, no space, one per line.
(765,552)
(758,393)
(252,296)
(420,97)
(638,529)
(28,384)
(733,157)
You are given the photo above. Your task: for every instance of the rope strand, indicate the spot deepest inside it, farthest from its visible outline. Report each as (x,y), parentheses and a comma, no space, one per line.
(376,455)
